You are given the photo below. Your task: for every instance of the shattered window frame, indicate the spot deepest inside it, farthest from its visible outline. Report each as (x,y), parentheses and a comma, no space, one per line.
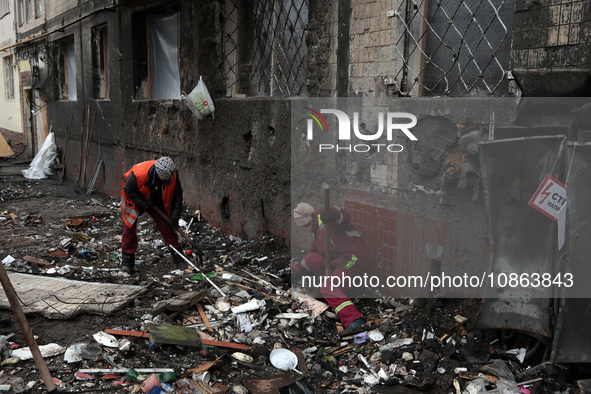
(100,62)
(265,50)
(8,78)
(65,59)
(146,70)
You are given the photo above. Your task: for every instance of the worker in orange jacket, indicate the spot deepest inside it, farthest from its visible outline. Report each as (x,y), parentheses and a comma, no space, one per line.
(146,186)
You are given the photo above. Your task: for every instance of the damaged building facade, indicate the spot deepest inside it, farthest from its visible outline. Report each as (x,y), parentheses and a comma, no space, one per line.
(113,73)
(107,77)
(10,96)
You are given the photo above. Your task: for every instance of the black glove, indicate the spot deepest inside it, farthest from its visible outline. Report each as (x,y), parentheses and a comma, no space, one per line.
(328,217)
(174,223)
(148,205)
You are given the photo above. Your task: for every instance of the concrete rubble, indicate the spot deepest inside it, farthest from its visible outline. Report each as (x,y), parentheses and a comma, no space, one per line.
(204,342)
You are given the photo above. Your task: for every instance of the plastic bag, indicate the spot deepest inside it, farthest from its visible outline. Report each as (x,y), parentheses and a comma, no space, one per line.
(199,101)
(52,161)
(505,386)
(37,168)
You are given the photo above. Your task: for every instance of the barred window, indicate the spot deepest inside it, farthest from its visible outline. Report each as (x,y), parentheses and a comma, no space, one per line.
(265,52)
(450,46)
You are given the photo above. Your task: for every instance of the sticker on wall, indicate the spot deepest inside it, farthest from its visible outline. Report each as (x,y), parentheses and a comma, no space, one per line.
(550,197)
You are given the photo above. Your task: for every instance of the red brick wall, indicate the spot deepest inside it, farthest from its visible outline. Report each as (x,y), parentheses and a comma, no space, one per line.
(397,239)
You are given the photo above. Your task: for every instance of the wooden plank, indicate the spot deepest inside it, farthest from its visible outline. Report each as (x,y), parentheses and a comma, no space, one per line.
(204,317)
(66,147)
(225,344)
(22,320)
(128,333)
(179,302)
(37,261)
(203,341)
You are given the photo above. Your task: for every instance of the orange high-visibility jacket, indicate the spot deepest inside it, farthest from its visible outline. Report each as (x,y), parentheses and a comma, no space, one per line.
(129,209)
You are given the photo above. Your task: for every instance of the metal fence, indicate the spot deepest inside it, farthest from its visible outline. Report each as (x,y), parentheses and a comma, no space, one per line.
(452,46)
(264,47)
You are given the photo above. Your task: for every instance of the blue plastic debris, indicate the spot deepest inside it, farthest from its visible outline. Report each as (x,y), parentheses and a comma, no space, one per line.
(361,338)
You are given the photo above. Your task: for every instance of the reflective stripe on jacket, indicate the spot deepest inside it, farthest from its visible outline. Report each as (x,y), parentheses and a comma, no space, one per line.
(129,209)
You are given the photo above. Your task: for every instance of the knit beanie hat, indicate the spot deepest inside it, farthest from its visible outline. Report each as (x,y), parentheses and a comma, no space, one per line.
(165,167)
(303,214)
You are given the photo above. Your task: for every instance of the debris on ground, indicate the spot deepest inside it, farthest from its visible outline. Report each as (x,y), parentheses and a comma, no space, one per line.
(178,333)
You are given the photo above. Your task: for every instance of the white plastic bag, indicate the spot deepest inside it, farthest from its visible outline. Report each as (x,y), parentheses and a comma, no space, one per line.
(37,167)
(199,101)
(52,161)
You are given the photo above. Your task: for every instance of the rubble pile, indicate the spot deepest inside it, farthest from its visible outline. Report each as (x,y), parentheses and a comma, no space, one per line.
(234,324)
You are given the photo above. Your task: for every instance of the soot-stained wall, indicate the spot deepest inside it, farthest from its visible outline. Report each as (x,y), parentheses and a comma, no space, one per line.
(234,167)
(551,51)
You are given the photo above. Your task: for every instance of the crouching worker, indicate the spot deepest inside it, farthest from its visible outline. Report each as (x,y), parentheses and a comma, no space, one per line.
(349,255)
(147,186)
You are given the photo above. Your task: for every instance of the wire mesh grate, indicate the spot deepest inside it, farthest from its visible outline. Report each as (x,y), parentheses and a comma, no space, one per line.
(441,46)
(450,46)
(264,47)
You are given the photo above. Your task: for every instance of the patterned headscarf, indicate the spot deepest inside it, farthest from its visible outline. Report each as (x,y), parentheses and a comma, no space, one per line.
(165,168)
